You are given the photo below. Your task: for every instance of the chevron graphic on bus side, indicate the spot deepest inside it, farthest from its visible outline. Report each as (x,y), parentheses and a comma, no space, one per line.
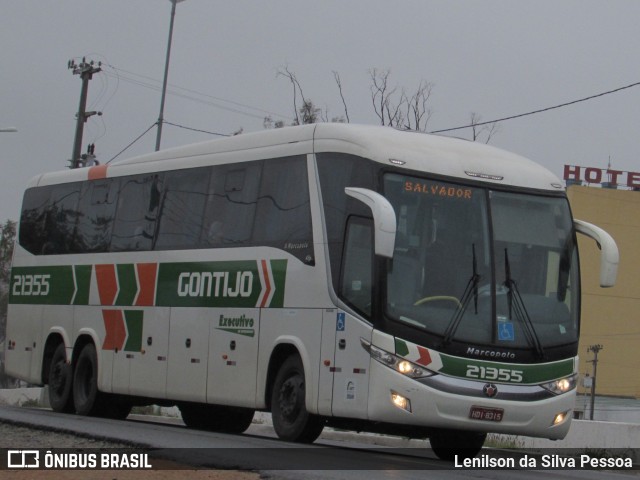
(127,284)
(123,330)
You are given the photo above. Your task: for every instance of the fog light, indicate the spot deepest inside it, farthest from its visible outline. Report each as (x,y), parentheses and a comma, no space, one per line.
(400,401)
(559,418)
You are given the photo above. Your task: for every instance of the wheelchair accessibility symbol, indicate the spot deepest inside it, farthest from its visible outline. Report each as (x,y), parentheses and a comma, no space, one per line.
(340,321)
(505,332)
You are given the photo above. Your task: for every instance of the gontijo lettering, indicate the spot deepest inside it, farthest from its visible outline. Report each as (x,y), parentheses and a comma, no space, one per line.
(216,284)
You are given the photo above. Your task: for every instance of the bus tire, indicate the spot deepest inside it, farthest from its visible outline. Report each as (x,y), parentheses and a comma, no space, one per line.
(447,444)
(291,420)
(86,396)
(217,418)
(60,381)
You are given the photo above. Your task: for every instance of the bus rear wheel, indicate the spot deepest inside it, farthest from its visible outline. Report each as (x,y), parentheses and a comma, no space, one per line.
(447,444)
(216,418)
(60,380)
(291,420)
(87,398)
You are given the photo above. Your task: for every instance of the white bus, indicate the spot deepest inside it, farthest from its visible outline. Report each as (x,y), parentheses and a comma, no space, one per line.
(350,276)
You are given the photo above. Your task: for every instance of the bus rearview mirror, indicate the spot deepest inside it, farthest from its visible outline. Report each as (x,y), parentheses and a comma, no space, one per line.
(609,255)
(384,219)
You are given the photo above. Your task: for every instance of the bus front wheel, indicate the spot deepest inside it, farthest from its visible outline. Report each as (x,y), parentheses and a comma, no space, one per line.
(291,420)
(60,380)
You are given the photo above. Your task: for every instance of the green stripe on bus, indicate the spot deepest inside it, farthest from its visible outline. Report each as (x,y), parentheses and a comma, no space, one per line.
(240,284)
(128,287)
(83,284)
(42,285)
(279,270)
(220,284)
(496,371)
(133,319)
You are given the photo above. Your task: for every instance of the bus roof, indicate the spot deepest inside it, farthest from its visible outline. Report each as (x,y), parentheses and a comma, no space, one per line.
(440,155)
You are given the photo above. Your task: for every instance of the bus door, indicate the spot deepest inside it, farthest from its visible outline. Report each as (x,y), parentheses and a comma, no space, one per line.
(351,367)
(351,380)
(327,357)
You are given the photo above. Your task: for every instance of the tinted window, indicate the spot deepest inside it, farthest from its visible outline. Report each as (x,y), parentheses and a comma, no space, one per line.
(231,205)
(96,211)
(137,213)
(185,196)
(338,171)
(356,285)
(33,234)
(283,218)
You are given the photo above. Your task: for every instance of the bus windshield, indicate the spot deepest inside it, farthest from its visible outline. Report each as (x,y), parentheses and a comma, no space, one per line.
(484,267)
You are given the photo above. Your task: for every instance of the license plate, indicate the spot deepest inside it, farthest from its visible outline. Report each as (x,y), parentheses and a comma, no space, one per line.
(486,414)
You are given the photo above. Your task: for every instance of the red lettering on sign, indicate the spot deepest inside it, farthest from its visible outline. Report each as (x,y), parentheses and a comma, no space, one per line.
(633,179)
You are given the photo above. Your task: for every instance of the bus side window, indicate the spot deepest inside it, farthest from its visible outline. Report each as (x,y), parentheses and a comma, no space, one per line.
(61,216)
(96,211)
(357,265)
(137,213)
(231,205)
(182,216)
(283,217)
(33,234)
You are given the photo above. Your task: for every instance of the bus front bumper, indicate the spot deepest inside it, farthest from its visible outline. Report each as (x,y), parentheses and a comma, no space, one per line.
(451,403)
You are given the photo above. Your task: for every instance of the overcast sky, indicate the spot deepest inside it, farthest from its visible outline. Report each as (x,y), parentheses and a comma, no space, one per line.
(495,58)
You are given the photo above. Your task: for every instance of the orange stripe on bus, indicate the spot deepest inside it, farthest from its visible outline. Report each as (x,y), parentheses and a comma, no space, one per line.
(147,274)
(98,172)
(116,333)
(107,283)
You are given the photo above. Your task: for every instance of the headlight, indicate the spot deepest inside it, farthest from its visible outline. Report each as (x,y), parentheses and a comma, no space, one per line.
(562,385)
(399,364)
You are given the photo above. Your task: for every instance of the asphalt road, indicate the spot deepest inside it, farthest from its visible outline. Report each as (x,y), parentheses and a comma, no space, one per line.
(258,450)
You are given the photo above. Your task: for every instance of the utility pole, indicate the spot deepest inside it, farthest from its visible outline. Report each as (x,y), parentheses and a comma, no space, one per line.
(86,71)
(595,349)
(166,73)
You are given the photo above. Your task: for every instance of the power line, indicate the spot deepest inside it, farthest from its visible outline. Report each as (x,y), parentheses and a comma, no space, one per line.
(127,147)
(122,75)
(591,97)
(197,129)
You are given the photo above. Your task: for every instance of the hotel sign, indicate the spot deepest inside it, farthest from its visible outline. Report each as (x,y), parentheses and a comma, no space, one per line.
(575,173)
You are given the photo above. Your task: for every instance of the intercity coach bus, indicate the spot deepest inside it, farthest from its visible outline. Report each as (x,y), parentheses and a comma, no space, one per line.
(352,276)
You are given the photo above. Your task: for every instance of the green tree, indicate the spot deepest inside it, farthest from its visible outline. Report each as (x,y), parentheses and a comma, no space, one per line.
(7,239)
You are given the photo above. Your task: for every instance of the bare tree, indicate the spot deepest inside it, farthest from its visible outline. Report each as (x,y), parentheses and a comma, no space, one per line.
(418,111)
(397,109)
(297,90)
(336,77)
(384,106)
(477,130)
(393,106)
(308,112)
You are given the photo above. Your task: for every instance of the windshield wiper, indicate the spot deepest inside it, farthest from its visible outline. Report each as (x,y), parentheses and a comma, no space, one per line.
(470,289)
(516,304)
